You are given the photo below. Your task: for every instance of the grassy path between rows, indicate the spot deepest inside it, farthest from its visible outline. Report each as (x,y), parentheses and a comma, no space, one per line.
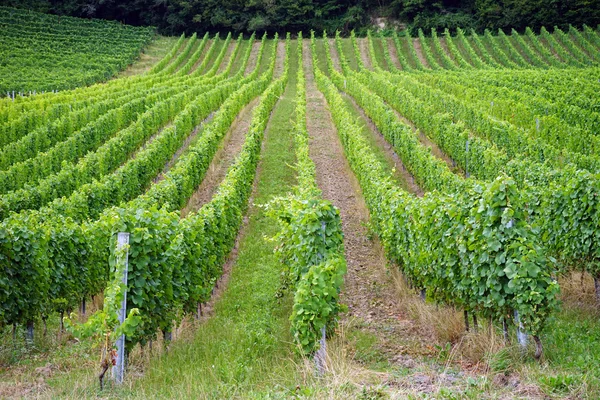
(245,349)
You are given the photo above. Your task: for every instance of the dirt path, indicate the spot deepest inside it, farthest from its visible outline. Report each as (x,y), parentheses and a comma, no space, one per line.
(335,56)
(369,290)
(447,51)
(227,57)
(253,58)
(231,145)
(393,51)
(364,53)
(400,172)
(417,44)
(202,55)
(279,59)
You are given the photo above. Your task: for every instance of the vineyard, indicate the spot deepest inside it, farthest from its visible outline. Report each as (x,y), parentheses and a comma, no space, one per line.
(292,199)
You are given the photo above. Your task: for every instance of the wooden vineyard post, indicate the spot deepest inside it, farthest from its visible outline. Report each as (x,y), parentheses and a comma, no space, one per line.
(118,368)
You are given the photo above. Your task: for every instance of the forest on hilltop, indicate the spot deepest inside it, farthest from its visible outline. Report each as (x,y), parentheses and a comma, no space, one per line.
(177,16)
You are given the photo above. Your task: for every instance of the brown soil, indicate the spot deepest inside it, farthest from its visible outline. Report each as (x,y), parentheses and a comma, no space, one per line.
(393,51)
(369,290)
(184,147)
(253,58)
(279,59)
(227,57)
(417,44)
(446,50)
(202,55)
(335,57)
(404,177)
(364,53)
(230,147)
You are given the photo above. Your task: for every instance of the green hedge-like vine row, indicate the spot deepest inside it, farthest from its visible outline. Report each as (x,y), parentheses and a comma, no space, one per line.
(173,262)
(473,248)
(310,242)
(49,260)
(47,52)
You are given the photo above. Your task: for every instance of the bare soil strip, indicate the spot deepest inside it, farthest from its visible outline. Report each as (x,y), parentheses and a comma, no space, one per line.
(369,290)
(400,172)
(202,55)
(335,57)
(227,57)
(392,50)
(231,146)
(253,58)
(364,53)
(417,44)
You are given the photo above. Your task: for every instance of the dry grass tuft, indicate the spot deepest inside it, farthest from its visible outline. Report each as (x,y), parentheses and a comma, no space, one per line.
(577,291)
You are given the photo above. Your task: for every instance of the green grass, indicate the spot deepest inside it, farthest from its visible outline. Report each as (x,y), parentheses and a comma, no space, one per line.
(321,51)
(349,53)
(378,46)
(245,348)
(572,350)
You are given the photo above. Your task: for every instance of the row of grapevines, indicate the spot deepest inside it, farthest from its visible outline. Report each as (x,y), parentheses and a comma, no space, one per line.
(461,61)
(71,150)
(57,256)
(472,248)
(442,55)
(406,64)
(552,195)
(159,66)
(427,53)
(62,52)
(173,262)
(310,241)
(104,160)
(557,129)
(471,53)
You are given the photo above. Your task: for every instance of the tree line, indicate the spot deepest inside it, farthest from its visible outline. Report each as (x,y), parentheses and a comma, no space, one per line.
(177,16)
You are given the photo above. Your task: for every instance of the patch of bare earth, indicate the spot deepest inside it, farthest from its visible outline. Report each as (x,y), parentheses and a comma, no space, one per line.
(364,53)
(417,44)
(393,51)
(184,147)
(251,65)
(231,146)
(227,57)
(400,172)
(279,59)
(335,57)
(202,56)
(369,290)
